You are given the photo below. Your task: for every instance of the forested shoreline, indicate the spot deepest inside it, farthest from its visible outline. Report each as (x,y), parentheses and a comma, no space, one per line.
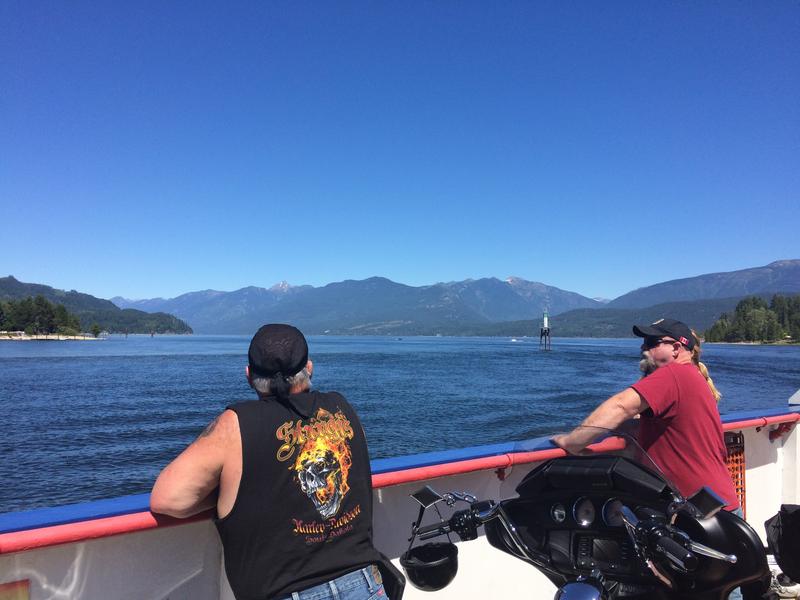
(87,309)
(38,316)
(754,320)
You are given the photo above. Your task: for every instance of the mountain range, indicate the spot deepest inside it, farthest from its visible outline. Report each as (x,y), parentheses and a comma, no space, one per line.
(489,306)
(779,276)
(375,305)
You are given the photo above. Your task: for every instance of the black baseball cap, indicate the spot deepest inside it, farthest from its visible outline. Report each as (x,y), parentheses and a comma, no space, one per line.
(677,330)
(277,349)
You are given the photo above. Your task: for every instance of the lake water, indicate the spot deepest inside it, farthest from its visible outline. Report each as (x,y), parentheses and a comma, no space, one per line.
(99,419)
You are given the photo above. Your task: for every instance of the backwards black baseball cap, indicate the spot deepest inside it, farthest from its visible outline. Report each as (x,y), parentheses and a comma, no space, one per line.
(277,349)
(677,330)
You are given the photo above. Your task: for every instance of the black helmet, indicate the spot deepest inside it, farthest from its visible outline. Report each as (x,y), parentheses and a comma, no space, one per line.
(430,567)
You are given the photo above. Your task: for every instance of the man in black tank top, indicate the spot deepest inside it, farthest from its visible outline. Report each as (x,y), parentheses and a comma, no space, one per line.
(290,479)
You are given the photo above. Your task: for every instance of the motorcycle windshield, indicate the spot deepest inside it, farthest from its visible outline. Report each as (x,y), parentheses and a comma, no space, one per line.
(618,442)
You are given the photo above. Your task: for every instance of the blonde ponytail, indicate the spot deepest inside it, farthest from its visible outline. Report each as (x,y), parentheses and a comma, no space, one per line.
(702,368)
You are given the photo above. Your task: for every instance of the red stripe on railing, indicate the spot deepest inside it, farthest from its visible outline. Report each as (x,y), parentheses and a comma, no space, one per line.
(75,532)
(87,530)
(500,461)
(455,468)
(761,422)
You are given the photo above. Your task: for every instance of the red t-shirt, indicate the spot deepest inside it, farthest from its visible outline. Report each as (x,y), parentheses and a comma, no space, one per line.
(684,433)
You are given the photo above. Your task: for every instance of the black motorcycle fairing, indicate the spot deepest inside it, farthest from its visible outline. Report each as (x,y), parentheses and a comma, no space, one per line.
(729,534)
(573,548)
(597,472)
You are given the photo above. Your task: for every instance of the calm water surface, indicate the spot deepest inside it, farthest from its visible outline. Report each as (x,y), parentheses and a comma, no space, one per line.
(91,420)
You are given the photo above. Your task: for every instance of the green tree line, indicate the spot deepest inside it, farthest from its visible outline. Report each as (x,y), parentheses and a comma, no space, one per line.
(756,321)
(37,316)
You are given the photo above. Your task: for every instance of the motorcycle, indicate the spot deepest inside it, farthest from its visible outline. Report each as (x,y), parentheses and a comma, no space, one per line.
(600,527)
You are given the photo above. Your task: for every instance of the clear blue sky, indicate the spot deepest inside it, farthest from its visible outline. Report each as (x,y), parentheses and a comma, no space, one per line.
(155,148)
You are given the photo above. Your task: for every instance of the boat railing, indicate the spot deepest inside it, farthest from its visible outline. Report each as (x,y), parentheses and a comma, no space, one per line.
(38,528)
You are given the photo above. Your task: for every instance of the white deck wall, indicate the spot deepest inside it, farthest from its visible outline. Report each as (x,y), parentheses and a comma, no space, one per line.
(771,477)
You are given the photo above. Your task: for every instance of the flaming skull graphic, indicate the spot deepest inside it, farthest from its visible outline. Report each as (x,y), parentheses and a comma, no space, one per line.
(323,463)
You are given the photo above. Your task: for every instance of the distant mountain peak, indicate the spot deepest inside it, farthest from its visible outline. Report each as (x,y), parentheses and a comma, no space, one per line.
(120,299)
(514,280)
(784,263)
(281,286)
(781,276)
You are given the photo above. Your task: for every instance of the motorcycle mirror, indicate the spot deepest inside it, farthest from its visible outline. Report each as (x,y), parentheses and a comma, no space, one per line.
(707,502)
(426,496)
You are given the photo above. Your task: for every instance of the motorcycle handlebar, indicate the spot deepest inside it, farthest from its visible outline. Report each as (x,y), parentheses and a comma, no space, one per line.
(462,522)
(429,531)
(465,522)
(676,553)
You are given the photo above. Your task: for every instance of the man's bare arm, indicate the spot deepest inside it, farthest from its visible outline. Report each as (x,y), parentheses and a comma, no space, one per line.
(189,484)
(609,415)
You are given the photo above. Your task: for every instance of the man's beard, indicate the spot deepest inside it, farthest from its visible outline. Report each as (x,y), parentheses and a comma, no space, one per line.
(647,365)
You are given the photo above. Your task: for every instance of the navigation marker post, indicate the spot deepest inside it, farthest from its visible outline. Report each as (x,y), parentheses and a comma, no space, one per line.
(544,333)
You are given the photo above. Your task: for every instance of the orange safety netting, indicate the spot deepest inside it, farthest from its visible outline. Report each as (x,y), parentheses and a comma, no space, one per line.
(735,443)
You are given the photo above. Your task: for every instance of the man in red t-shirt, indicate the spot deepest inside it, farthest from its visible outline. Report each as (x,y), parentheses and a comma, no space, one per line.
(680,426)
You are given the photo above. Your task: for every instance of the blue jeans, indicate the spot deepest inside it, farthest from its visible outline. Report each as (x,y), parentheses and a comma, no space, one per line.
(735,594)
(361,584)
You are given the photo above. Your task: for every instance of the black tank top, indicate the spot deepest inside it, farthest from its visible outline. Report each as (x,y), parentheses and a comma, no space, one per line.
(303,512)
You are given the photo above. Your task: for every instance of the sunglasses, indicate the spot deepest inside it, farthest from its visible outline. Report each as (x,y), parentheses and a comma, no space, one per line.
(653,342)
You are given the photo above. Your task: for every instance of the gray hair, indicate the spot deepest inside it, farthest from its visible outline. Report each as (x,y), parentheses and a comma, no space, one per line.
(647,365)
(262,384)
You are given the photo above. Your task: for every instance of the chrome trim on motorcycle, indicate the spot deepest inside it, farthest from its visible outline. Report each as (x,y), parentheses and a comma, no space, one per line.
(711,553)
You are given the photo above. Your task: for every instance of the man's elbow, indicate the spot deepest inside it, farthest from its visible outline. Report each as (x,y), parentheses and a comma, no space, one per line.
(621,412)
(164,504)
(159,506)
(627,413)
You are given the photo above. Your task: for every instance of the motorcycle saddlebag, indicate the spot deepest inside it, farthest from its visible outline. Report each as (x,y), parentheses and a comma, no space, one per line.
(783,539)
